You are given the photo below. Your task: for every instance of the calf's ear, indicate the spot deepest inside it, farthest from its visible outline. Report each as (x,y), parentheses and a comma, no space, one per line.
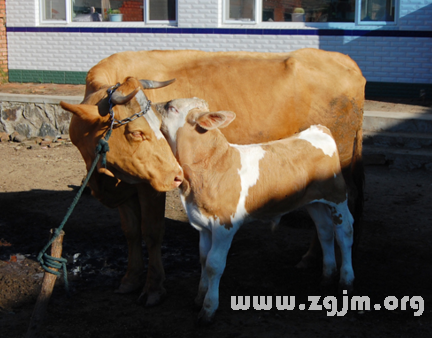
(213,120)
(85,112)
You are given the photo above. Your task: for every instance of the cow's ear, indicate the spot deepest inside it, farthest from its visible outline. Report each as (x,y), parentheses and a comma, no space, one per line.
(83,111)
(213,120)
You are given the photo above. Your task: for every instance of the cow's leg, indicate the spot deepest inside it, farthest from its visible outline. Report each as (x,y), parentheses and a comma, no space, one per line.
(130,215)
(204,248)
(321,215)
(215,266)
(153,228)
(344,236)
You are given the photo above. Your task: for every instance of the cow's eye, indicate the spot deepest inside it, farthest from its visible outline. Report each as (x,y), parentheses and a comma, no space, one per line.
(137,135)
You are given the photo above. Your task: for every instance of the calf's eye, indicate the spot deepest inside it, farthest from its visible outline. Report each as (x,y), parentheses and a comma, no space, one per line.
(172,109)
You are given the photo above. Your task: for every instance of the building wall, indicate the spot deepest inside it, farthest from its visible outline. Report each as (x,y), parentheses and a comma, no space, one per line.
(3,42)
(390,56)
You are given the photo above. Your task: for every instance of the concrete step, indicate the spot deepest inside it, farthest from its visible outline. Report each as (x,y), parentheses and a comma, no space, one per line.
(397,139)
(397,122)
(400,140)
(398,158)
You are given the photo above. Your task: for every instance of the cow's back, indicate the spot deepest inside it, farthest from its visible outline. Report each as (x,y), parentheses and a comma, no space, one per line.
(273,94)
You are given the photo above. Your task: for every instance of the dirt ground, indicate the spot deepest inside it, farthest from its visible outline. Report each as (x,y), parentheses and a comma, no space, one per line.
(37,185)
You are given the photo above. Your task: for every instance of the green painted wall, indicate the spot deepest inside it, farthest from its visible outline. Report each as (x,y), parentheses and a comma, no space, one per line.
(46,76)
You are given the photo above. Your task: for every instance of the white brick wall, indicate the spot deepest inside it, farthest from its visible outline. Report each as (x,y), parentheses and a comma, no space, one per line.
(415,15)
(198,13)
(387,59)
(382,59)
(81,51)
(22,13)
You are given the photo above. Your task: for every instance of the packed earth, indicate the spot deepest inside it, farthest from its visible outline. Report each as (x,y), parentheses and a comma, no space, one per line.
(393,264)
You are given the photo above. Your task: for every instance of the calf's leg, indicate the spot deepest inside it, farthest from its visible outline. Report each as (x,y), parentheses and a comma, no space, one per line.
(204,248)
(314,253)
(321,216)
(215,266)
(344,237)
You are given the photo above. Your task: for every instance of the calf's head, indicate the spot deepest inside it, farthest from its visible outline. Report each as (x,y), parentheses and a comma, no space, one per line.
(187,119)
(138,152)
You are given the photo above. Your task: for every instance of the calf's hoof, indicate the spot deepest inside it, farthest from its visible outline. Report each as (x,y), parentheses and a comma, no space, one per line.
(204,319)
(346,289)
(328,285)
(152,298)
(199,300)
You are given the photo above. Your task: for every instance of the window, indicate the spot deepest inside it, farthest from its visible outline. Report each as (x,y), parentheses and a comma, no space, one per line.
(53,10)
(161,10)
(377,10)
(241,11)
(157,11)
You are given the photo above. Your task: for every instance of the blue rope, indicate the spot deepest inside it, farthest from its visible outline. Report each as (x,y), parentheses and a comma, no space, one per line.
(48,262)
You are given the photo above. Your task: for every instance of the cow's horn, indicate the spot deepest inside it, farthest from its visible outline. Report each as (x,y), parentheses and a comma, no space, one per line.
(118,98)
(149,84)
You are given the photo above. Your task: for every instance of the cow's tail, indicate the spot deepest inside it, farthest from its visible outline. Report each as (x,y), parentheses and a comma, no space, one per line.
(358,177)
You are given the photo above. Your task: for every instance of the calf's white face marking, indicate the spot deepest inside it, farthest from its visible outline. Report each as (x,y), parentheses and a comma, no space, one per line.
(175,117)
(319,140)
(150,116)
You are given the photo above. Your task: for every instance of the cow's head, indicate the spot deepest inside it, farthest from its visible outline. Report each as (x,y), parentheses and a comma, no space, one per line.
(138,152)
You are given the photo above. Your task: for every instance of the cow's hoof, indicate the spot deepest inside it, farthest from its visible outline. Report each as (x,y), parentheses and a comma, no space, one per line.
(154,298)
(204,319)
(128,287)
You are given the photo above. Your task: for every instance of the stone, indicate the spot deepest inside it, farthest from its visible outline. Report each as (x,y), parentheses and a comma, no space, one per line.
(28,143)
(64,137)
(4,137)
(17,137)
(45,143)
(47,130)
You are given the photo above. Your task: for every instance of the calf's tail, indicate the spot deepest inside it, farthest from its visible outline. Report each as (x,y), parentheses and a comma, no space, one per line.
(358,178)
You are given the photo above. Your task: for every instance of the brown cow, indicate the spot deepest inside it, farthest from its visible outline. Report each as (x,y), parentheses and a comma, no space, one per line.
(274,95)
(228,185)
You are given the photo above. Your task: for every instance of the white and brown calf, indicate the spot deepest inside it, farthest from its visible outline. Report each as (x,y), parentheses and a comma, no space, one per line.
(227,185)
